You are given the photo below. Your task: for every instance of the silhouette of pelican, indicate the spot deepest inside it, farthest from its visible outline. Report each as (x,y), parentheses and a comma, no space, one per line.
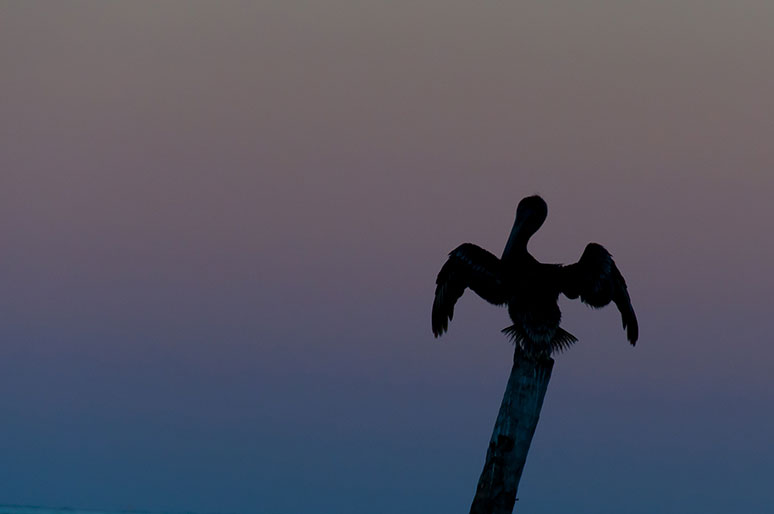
(530,288)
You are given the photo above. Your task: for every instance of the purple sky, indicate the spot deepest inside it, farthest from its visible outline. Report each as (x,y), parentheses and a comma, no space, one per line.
(221,225)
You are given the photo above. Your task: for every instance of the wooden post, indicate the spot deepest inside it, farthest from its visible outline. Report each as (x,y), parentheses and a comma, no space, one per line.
(512,434)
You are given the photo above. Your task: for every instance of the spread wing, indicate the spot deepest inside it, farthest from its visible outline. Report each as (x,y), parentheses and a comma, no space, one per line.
(468,266)
(596,279)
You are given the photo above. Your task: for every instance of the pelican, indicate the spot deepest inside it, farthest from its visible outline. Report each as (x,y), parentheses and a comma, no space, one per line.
(530,288)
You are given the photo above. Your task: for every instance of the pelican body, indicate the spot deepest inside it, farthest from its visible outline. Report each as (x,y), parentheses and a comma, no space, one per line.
(530,288)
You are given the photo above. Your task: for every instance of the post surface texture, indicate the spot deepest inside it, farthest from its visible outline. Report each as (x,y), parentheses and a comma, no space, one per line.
(512,434)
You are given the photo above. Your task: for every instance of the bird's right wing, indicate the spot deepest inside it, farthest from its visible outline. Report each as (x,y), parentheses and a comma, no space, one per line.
(597,280)
(468,266)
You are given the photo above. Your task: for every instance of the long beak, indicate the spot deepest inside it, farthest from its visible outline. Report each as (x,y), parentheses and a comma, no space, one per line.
(511,244)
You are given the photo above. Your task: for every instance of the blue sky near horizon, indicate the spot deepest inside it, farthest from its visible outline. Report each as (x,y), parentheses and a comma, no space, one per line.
(221,225)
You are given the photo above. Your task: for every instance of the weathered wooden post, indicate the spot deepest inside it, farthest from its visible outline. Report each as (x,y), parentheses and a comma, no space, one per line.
(512,434)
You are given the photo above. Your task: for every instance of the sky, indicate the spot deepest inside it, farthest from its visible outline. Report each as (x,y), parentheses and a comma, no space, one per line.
(221,224)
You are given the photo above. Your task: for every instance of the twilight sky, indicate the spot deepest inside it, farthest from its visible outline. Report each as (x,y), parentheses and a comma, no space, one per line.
(221,224)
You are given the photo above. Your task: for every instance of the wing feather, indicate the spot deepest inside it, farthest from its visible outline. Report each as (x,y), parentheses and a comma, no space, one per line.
(468,266)
(597,280)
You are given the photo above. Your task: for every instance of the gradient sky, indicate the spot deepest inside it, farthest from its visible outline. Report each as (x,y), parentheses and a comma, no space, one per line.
(221,224)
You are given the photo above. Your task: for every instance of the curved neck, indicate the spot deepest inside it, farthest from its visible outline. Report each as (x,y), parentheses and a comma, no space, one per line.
(517,241)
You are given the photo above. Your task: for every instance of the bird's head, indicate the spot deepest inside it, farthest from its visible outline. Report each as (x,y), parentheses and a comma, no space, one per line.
(530,214)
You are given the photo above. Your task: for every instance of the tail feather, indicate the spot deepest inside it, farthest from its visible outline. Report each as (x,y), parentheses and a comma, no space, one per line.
(561,341)
(514,334)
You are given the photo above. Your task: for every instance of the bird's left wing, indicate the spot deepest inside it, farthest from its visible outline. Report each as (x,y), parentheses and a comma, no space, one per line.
(597,280)
(468,266)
